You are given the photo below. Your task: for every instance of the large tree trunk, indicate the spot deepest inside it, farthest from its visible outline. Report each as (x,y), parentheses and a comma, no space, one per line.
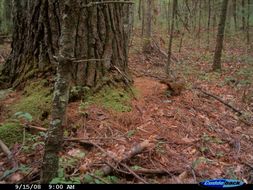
(101,40)
(35,40)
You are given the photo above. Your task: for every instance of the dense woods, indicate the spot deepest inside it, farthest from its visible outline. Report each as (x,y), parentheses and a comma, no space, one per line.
(139,91)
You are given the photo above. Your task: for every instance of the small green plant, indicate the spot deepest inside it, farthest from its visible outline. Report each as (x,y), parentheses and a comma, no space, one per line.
(98,179)
(24,115)
(131,133)
(136,167)
(204,149)
(220,154)
(61,178)
(206,138)
(199,161)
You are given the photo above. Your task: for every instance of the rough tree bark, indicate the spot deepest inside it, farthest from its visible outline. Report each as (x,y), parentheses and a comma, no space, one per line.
(37,29)
(220,37)
(35,40)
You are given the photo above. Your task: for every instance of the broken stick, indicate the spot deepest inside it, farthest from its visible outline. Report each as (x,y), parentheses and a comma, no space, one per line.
(221,101)
(106,170)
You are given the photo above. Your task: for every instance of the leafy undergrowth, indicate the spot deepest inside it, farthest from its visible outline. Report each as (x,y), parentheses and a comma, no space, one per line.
(192,136)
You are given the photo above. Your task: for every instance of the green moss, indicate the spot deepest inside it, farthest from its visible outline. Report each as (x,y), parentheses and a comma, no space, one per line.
(37,100)
(113,99)
(11,133)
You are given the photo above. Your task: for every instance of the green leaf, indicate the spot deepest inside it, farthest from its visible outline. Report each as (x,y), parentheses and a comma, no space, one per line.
(24,115)
(98,181)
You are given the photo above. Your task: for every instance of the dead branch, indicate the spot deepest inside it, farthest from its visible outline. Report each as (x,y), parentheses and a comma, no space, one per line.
(36,128)
(133,152)
(106,170)
(220,100)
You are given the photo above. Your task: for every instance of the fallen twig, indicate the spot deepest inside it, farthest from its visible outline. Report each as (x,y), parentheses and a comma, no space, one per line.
(133,152)
(106,170)
(37,128)
(220,100)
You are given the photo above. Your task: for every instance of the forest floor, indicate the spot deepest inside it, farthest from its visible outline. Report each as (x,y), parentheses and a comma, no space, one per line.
(191,137)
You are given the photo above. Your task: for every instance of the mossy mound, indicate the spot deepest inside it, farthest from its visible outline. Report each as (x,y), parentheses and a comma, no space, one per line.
(112,99)
(36,100)
(11,133)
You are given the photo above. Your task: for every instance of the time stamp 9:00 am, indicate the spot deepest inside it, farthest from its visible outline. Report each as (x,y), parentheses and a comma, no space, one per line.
(49,187)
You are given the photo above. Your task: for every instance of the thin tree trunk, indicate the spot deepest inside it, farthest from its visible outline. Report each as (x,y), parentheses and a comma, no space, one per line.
(208,23)
(235,13)
(248,25)
(220,37)
(168,65)
(147,41)
(243,16)
(61,97)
